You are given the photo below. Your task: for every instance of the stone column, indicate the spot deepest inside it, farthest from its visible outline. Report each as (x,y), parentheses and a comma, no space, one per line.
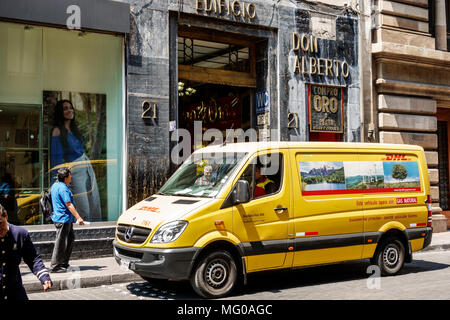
(440,25)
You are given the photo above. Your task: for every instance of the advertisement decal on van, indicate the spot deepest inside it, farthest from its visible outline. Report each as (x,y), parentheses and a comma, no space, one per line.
(344,177)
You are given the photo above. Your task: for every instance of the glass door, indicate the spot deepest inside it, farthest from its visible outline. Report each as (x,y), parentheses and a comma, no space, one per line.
(21,181)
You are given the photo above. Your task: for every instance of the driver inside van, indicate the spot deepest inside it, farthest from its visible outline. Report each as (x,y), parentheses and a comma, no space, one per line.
(207,178)
(263,184)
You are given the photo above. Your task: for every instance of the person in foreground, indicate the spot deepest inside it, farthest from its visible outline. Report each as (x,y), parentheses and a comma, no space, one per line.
(15,245)
(63,217)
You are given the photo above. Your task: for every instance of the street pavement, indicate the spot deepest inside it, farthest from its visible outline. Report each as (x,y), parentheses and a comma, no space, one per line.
(426,278)
(106,273)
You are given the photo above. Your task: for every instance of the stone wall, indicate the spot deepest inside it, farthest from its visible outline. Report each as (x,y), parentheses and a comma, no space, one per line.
(151,71)
(411,81)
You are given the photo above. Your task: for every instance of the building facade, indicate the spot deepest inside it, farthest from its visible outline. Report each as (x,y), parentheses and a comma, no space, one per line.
(269,70)
(151,81)
(407,84)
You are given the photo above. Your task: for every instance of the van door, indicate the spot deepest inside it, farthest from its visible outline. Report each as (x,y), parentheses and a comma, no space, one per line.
(328,217)
(397,197)
(262,223)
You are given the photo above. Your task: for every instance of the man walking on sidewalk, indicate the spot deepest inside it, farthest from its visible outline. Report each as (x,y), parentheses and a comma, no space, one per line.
(63,217)
(15,244)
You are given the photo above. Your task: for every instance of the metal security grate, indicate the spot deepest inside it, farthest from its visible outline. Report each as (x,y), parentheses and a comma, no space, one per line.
(132,234)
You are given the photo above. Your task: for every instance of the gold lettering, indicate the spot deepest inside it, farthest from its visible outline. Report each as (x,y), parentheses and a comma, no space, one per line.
(312,65)
(333,105)
(345,69)
(220,5)
(305,47)
(336,67)
(295,41)
(325,104)
(314,47)
(304,69)
(328,66)
(212,3)
(317,103)
(233,8)
(297,65)
(319,67)
(253,14)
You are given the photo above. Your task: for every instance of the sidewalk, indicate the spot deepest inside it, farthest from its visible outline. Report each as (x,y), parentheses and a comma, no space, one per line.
(82,274)
(106,271)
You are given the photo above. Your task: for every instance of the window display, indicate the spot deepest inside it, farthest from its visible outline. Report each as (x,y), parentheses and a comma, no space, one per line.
(60,105)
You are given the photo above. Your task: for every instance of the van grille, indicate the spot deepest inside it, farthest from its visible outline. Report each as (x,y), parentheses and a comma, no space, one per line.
(130,254)
(138,234)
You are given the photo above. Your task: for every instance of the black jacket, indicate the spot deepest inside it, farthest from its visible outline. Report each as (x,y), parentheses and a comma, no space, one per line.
(14,247)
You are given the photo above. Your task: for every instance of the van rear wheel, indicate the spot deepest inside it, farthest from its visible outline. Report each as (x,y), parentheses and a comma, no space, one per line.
(390,257)
(215,275)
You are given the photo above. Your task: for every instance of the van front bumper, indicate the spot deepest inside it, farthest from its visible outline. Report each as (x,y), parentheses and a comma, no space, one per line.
(173,264)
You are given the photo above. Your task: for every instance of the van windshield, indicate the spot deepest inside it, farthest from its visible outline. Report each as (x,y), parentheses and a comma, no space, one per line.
(203,174)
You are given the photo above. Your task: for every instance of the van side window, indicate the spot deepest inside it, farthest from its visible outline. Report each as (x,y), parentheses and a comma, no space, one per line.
(264,175)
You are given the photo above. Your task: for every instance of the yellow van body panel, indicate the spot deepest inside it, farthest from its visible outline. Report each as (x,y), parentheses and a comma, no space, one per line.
(218,235)
(325,256)
(338,201)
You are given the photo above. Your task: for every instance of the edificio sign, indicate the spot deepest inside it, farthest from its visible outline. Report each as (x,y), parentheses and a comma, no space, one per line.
(237,8)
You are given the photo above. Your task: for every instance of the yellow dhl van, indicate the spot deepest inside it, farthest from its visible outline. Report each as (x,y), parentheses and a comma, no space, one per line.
(246,207)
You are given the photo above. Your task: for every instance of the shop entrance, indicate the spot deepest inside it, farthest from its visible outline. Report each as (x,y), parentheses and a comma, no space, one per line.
(20,162)
(216,81)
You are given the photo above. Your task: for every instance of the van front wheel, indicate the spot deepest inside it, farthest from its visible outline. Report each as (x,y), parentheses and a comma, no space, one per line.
(390,257)
(215,275)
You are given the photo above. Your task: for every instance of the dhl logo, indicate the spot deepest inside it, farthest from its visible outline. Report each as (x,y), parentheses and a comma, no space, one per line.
(151,209)
(396,157)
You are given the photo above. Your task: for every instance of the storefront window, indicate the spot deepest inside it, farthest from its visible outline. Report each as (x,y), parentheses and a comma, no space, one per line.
(43,70)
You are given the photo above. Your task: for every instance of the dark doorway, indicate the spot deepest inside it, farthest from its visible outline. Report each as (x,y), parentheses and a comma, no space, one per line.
(443,164)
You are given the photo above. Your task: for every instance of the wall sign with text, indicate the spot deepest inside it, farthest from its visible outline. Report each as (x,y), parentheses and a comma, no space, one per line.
(326,108)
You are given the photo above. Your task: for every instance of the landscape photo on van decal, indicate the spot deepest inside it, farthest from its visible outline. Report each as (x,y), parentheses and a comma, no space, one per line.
(342,177)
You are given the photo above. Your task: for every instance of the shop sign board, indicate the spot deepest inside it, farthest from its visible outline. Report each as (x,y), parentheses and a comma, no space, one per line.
(220,113)
(262,102)
(325,106)
(236,8)
(306,46)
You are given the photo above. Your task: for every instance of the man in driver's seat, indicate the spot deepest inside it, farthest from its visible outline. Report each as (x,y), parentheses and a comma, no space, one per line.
(207,178)
(263,184)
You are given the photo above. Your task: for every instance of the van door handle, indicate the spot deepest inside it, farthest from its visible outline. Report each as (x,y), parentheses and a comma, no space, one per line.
(277,210)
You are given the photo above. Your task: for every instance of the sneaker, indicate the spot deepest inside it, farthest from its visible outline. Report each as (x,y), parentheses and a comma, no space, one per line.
(59,270)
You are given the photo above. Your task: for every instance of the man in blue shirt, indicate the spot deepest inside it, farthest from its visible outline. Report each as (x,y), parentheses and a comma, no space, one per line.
(63,217)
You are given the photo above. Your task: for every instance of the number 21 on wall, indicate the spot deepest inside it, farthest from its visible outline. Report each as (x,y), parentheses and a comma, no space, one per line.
(149,110)
(292,120)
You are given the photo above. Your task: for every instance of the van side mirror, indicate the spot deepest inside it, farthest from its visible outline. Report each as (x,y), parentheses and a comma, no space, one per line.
(241,192)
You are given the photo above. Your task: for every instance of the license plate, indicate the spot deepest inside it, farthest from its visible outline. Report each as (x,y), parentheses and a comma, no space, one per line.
(124,264)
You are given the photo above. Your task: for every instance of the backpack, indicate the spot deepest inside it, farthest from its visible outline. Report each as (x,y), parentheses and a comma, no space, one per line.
(46,206)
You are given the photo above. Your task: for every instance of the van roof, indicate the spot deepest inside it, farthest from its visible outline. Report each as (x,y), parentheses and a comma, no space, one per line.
(255,146)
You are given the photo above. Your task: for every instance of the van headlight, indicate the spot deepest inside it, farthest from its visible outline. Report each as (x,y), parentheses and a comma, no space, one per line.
(169,232)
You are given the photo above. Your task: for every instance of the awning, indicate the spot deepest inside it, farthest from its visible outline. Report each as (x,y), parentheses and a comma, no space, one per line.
(104,15)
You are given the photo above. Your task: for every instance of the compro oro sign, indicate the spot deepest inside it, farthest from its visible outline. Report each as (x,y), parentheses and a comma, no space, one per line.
(325,107)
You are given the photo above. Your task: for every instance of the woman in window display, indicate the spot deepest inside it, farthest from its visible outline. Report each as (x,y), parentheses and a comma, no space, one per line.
(67,146)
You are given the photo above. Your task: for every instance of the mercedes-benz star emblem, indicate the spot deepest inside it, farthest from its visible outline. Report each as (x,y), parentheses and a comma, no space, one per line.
(129,233)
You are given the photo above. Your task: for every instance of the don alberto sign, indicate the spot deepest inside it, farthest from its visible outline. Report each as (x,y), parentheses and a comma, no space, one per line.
(307,65)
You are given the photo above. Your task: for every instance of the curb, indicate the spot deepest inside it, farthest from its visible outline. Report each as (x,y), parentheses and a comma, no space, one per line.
(437,247)
(75,281)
